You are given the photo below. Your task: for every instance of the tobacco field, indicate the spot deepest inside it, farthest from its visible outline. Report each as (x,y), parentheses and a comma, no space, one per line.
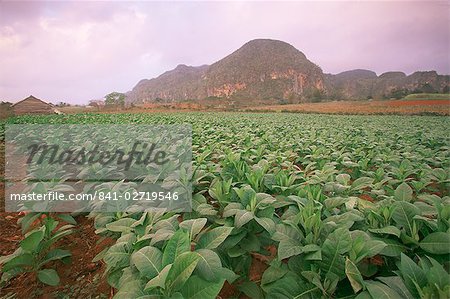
(327,206)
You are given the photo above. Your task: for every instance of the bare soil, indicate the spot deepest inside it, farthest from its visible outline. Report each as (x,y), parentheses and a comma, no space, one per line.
(408,107)
(79,279)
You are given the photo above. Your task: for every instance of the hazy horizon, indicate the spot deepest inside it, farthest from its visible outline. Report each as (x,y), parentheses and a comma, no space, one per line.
(79,51)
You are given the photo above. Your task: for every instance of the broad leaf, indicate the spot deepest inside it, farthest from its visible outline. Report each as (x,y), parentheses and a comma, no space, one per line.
(412,275)
(381,291)
(55,254)
(22,260)
(121,226)
(148,261)
(48,276)
(403,192)
(117,255)
(160,279)
(403,215)
(209,265)
(181,270)
(213,238)
(362,183)
(338,243)
(193,226)
(266,223)
(397,284)
(354,276)
(178,244)
(288,248)
(196,288)
(242,217)
(388,230)
(436,243)
(32,241)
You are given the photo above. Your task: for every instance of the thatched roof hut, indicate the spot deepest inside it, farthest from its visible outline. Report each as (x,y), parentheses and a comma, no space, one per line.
(33,105)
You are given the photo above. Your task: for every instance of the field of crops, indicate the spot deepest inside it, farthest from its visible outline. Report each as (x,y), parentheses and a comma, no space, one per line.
(322,206)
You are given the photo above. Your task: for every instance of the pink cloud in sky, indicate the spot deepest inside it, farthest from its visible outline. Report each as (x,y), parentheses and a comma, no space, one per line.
(77,51)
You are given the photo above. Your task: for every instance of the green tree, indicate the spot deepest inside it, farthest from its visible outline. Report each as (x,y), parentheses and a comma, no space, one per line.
(115,99)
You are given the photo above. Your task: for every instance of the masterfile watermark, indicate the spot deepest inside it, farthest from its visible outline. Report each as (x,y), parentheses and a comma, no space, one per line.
(53,154)
(106,168)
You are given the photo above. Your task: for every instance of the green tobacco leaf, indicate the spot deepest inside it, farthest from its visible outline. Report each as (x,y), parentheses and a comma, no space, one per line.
(206,210)
(273,273)
(403,192)
(22,260)
(397,284)
(335,202)
(121,226)
(67,218)
(288,248)
(196,288)
(55,254)
(128,274)
(338,243)
(251,289)
(178,244)
(231,209)
(27,220)
(193,226)
(32,241)
(242,217)
(285,231)
(48,276)
(213,238)
(209,265)
(267,223)
(362,183)
(117,255)
(437,275)
(381,291)
(161,235)
(160,279)
(364,295)
(228,275)
(290,286)
(131,289)
(403,215)
(181,270)
(371,248)
(354,276)
(148,261)
(412,275)
(393,247)
(436,243)
(388,230)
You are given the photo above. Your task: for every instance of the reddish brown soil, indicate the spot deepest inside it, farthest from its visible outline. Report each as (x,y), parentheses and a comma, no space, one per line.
(228,291)
(366,197)
(441,107)
(419,103)
(257,269)
(81,278)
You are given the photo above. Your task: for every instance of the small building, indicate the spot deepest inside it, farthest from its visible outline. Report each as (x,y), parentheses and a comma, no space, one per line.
(33,105)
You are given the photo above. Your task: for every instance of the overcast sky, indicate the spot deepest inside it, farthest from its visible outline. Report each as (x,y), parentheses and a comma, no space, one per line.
(78,51)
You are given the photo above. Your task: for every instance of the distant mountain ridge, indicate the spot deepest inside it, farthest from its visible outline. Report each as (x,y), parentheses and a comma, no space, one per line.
(273,70)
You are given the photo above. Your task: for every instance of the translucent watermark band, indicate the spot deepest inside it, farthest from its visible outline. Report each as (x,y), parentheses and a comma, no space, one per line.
(66,168)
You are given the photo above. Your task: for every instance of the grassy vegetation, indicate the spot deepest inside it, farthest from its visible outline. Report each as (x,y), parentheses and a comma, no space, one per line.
(427,96)
(326,206)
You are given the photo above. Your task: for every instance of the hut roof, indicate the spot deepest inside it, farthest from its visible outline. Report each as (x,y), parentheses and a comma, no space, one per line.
(31,97)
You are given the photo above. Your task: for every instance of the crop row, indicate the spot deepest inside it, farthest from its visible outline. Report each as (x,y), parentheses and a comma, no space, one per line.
(333,206)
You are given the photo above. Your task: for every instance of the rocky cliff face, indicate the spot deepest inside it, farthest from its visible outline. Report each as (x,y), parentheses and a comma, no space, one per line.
(183,82)
(261,69)
(266,69)
(363,84)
